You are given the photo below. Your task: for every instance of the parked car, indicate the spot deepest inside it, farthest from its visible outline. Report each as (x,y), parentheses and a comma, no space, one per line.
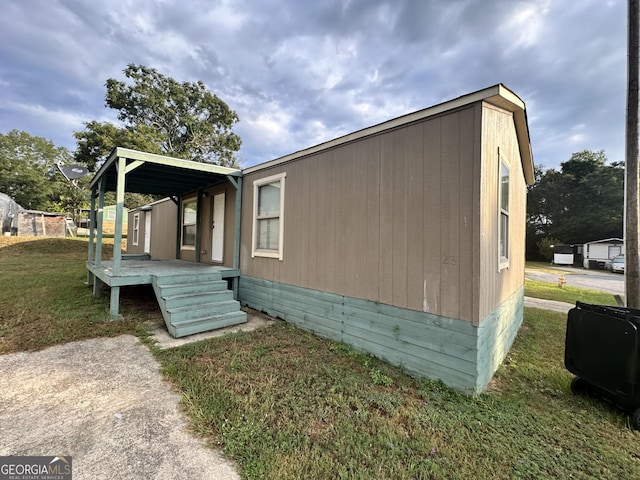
(617,265)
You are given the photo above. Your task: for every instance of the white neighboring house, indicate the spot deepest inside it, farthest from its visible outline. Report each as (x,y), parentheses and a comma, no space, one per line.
(600,253)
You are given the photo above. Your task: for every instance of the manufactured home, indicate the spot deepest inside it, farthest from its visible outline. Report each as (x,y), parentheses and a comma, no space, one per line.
(599,253)
(405,239)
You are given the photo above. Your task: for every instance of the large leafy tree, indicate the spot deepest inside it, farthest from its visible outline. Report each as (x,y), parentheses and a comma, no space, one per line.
(28,171)
(582,202)
(162,115)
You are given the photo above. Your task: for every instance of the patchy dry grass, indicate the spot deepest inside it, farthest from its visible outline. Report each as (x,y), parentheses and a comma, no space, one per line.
(44,300)
(286,404)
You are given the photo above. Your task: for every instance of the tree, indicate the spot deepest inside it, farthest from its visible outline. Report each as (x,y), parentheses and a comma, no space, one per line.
(584,201)
(162,115)
(98,139)
(28,172)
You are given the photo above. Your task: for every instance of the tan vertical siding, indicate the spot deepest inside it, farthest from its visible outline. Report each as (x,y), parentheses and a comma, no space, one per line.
(369,158)
(499,132)
(416,243)
(449,216)
(399,217)
(131,248)
(387,218)
(433,248)
(206,217)
(385,256)
(469,157)
(312,168)
(163,230)
(342,212)
(477,212)
(355,194)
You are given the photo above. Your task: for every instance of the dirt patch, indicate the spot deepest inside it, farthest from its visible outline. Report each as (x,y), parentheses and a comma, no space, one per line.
(104,402)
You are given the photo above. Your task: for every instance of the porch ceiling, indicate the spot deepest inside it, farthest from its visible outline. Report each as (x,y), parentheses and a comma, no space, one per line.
(160,175)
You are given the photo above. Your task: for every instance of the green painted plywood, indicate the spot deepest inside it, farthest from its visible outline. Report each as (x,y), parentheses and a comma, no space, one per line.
(454,351)
(496,335)
(423,347)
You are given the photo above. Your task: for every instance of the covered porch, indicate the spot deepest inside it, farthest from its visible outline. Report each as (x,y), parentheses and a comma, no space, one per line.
(137,172)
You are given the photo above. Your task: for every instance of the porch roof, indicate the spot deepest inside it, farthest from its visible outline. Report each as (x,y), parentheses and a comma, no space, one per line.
(159,174)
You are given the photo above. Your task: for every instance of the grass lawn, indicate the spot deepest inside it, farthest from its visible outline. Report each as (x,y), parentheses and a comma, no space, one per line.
(551,291)
(546,267)
(43,299)
(288,405)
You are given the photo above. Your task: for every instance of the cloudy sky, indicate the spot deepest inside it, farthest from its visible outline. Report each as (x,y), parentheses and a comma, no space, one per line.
(302,72)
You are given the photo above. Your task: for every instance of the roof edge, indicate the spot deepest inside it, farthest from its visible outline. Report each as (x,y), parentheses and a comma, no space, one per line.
(497,94)
(129,154)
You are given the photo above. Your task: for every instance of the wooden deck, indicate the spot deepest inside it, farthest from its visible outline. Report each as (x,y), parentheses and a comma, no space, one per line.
(140,272)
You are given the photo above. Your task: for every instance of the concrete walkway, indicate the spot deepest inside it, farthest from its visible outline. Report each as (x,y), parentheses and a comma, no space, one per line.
(548,304)
(104,402)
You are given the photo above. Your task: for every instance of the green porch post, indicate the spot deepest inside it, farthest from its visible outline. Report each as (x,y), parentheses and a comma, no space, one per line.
(114,303)
(98,258)
(198,226)
(178,228)
(92,224)
(117,235)
(236,234)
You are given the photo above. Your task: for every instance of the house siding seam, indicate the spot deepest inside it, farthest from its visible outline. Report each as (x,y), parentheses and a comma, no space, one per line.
(424,344)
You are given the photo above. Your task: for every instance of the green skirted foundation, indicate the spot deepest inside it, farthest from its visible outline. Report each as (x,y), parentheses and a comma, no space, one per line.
(462,356)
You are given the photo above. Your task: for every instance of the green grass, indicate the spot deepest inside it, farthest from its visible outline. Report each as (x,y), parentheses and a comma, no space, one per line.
(43,299)
(286,404)
(547,268)
(551,291)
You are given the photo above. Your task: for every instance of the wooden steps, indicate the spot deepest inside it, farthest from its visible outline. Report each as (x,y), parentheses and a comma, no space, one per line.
(194,303)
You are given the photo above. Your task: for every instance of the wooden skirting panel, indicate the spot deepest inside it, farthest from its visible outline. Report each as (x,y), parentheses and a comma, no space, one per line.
(496,335)
(423,344)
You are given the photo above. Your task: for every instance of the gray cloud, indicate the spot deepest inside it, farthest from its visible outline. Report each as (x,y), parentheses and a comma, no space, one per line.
(299,73)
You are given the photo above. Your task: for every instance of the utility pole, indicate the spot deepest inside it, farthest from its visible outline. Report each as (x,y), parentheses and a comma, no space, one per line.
(631,205)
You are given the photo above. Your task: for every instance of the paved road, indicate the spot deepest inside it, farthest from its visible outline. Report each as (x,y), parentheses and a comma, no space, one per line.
(577,277)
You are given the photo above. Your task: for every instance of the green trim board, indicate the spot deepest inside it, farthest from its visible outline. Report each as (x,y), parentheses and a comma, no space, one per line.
(454,351)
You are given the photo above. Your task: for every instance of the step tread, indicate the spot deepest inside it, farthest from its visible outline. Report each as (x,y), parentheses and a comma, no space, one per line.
(190,284)
(197,320)
(188,279)
(180,296)
(201,306)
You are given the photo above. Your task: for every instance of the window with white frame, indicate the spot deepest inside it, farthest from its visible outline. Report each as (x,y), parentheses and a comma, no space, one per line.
(136,228)
(268,217)
(111,215)
(503,215)
(189,219)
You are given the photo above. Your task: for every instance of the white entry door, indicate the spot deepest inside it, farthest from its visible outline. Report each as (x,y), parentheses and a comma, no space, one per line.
(147,232)
(217,229)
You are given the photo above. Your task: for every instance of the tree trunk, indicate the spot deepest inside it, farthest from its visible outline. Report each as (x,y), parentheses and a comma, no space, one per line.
(632,259)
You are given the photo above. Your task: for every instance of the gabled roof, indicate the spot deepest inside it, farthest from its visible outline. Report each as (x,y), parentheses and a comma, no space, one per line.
(159,174)
(607,240)
(498,95)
